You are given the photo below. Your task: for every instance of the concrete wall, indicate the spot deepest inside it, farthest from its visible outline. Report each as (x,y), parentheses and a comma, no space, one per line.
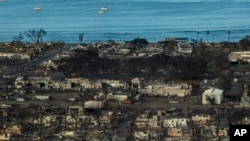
(217,97)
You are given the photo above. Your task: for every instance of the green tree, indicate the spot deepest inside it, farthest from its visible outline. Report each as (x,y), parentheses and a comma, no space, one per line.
(36,35)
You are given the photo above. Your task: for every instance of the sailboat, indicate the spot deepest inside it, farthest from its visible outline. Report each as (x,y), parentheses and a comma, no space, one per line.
(37,8)
(103,9)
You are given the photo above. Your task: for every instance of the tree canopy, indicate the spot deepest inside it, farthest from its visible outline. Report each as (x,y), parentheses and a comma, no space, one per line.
(36,35)
(139,42)
(245,42)
(18,38)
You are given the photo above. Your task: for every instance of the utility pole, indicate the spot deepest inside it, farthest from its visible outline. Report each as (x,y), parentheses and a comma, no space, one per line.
(81,38)
(207,35)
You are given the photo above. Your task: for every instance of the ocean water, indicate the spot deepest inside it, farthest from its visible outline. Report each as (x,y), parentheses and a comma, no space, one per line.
(125,20)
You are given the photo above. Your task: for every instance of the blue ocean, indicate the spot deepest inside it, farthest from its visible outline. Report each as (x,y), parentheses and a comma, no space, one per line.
(154,20)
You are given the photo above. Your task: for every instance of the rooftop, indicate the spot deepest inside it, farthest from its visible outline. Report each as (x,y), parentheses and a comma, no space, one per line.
(213,90)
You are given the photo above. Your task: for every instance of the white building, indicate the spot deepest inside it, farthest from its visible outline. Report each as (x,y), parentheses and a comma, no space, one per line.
(115,83)
(184,47)
(245,99)
(143,121)
(212,96)
(200,119)
(243,56)
(176,122)
(16,56)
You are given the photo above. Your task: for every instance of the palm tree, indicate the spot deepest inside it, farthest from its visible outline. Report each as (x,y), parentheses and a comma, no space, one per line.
(228,35)
(80,37)
(207,35)
(198,35)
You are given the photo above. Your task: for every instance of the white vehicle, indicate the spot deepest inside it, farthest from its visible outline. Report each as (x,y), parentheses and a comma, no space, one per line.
(120,97)
(99,96)
(181,95)
(5,106)
(41,97)
(6,76)
(93,104)
(71,99)
(138,97)
(20,99)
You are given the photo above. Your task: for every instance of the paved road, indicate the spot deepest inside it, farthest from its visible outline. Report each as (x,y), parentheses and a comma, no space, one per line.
(147,103)
(122,128)
(162,103)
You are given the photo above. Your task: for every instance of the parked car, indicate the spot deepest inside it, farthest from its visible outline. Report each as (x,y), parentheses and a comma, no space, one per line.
(20,99)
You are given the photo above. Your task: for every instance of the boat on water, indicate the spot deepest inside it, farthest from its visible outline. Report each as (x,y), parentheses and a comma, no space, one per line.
(2,0)
(37,8)
(103,9)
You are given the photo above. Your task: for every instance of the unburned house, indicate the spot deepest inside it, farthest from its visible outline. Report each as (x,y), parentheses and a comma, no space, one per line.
(212,96)
(240,57)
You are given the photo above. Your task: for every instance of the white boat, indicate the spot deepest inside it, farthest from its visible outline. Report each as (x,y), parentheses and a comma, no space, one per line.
(103,9)
(37,8)
(2,0)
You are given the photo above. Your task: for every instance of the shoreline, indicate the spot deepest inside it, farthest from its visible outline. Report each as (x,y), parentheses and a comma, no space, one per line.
(210,36)
(114,41)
